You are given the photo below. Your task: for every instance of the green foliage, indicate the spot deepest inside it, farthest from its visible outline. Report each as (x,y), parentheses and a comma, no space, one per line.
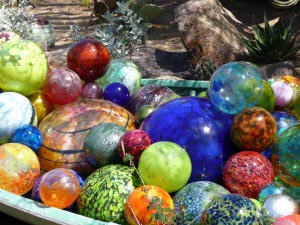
(273,44)
(16,19)
(146,10)
(121,32)
(203,70)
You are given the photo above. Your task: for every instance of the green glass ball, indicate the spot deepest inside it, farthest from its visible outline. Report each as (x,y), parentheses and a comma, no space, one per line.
(23,66)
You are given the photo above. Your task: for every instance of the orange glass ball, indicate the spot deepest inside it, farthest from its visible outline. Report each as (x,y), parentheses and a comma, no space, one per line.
(19,168)
(59,188)
(149,204)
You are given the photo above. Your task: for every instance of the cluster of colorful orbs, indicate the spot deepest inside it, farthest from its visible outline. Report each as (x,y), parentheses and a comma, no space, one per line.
(191,159)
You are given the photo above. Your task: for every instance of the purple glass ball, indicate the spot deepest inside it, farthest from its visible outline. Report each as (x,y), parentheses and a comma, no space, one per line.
(92,90)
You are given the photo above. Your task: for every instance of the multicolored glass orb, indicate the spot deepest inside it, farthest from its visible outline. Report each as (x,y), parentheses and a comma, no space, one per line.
(253,129)
(232,209)
(16,110)
(117,93)
(59,188)
(247,173)
(286,155)
(62,86)
(65,129)
(235,86)
(88,58)
(19,168)
(28,135)
(23,66)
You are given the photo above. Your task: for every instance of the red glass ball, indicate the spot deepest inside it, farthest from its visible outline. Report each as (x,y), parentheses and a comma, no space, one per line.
(89,59)
(62,86)
(247,173)
(134,142)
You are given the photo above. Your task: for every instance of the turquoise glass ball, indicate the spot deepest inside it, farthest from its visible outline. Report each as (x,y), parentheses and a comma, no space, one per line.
(122,71)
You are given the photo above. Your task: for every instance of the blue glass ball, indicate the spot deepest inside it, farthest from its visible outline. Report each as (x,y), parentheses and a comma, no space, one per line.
(195,124)
(283,120)
(28,135)
(117,93)
(235,86)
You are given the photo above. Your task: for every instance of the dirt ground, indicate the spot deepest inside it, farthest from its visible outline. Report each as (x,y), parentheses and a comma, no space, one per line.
(163,38)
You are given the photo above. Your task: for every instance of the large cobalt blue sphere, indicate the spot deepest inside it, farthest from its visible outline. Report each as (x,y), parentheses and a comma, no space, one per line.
(195,124)
(235,86)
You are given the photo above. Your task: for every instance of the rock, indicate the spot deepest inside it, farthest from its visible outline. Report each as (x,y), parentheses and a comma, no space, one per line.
(210,32)
(276,70)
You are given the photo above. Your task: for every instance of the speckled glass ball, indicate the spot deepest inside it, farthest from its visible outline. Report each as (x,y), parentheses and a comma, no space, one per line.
(117,93)
(247,172)
(253,129)
(191,201)
(232,209)
(101,143)
(278,205)
(134,142)
(28,135)
(104,193)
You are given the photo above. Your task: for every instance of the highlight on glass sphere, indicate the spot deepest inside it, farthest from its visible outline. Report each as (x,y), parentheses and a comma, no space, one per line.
(92,90)
(62,86)
(59,188)
(19,168)
(28,135)
(235,86)
(117,92)
(88,58)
